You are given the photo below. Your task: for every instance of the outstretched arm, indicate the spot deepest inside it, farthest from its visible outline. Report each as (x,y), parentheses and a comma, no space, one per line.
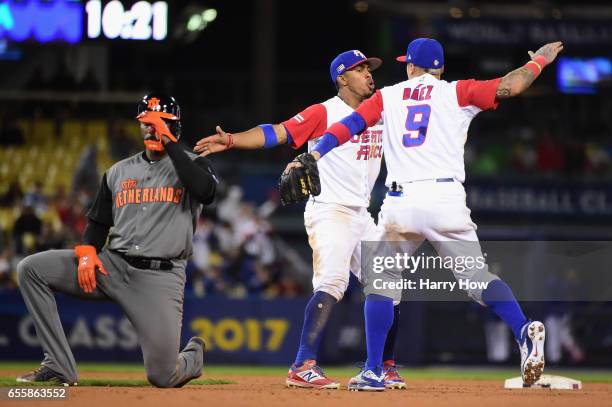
(517,81)
(257,137)
(306,125)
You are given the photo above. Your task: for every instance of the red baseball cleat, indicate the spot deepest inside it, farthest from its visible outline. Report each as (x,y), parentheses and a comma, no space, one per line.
(309,375)
(393,380)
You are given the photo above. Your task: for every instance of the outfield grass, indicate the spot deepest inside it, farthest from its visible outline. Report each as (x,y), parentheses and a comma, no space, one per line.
(218,371)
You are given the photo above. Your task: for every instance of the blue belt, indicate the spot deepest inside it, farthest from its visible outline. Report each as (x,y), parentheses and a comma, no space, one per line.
(431,179)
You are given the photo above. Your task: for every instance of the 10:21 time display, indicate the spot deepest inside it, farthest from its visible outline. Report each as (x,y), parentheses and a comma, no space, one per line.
(143,21)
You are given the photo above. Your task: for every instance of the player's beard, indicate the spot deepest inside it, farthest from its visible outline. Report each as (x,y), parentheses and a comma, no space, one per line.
(153,143)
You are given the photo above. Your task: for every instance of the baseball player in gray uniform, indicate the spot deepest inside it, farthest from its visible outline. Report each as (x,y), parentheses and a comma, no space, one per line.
(147,207)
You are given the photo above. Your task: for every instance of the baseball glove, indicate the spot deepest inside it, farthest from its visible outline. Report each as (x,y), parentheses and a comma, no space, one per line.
(296,184)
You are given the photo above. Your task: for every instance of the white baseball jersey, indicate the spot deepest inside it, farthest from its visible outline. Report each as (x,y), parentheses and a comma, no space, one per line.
(426,122)
(348,172)
(337,220)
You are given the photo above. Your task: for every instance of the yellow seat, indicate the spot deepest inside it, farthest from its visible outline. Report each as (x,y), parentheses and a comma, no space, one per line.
(131,129)
(7,219)
(43,132)
(95,130)
(71,129)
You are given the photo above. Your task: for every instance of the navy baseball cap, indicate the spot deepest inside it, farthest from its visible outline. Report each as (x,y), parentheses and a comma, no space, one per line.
(348,60)
(425,53)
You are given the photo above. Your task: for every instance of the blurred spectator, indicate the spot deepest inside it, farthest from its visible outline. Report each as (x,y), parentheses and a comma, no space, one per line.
(237,256)
(559,332)
(78,220)
(524,158)
(561,338)
(551,156)
(225,237)
(202,243)
(266,209)
(12,196)
(26,226)
(86,177)
(497,333)
(289,287)
(485,164)
(49,238)
(598,160)
(259,280)
(62,205)
(6,272)
(230,205)
(36,198)
(497,337)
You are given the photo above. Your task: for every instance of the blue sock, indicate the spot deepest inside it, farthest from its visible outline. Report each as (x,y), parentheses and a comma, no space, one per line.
(498,296)
(316,315)
(389,352)
(378,312)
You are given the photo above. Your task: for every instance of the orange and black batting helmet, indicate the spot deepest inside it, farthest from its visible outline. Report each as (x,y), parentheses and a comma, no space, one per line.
(165,104)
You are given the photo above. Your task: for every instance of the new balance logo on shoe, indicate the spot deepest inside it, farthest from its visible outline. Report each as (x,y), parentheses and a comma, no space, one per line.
(309,375)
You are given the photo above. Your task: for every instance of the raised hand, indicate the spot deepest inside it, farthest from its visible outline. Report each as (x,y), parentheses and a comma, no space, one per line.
(213,144)
(548,51)
(156,120)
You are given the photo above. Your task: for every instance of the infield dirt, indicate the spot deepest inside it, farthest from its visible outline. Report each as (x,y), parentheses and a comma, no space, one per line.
(270,391)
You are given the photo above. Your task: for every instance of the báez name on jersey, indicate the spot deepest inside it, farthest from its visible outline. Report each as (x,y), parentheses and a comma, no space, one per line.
(371,144)
(419,93)
(130,195)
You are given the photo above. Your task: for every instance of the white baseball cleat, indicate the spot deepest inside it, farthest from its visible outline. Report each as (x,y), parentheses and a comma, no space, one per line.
(531,345)
(367,380)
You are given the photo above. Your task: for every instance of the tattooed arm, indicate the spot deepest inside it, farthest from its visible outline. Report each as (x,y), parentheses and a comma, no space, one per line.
(517,81)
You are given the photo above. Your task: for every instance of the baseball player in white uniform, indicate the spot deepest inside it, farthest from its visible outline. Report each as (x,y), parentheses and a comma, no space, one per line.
(337,220)
(425,125)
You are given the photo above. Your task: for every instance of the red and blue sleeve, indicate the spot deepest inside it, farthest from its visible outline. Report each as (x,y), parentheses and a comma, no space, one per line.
(481,94)
(306,125)
(366,115)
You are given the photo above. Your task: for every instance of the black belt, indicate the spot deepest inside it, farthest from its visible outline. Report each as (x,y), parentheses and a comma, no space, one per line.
(147,263)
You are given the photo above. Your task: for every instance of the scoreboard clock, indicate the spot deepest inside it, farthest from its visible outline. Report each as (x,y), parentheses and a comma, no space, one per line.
(74,20)
(142,21)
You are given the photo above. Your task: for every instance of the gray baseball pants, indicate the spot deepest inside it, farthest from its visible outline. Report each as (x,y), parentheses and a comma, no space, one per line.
(151,299)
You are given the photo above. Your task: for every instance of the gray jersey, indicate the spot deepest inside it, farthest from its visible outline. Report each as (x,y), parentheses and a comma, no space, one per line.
(153,213)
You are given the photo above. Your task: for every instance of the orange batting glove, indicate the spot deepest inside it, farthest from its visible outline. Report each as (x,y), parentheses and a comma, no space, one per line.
(155,119)
(86,272)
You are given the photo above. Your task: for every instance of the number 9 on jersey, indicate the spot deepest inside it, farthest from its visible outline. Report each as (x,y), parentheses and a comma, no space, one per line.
(416,124)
